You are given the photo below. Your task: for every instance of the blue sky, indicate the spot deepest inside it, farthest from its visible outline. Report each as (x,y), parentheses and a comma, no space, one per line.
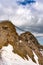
(26,14)
(25,2)
(40,39)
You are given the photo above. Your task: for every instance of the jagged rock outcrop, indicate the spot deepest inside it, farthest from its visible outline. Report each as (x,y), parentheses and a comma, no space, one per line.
(23,45)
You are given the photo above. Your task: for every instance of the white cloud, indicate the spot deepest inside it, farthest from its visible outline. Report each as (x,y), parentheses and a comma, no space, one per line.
(38,6)
(38,34)
(22,17)
(0,5)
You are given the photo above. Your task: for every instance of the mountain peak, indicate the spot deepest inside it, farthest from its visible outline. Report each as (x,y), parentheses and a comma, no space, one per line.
(23,44)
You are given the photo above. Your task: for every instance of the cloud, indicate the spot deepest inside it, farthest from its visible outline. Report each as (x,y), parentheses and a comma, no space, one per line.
(22,17)
(38,34)
(38,6)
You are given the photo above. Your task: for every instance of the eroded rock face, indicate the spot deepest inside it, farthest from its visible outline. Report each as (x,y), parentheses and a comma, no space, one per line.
(23,45)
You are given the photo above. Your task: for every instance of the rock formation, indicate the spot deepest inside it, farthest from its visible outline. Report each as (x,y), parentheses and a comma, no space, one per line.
(23,44)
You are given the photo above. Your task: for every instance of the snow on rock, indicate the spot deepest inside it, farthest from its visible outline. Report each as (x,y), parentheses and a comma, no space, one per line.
(9,58)
(36,58)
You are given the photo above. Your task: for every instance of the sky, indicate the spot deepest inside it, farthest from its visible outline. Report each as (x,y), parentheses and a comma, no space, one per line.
(26,14)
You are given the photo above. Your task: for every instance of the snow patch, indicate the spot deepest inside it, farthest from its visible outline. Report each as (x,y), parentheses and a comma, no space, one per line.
(10,58)
(36,58)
